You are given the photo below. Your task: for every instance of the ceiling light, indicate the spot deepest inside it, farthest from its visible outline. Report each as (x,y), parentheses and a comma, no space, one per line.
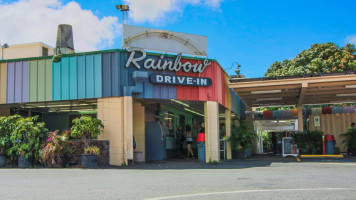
(192,111)
(346,95)
(266,91)
(342,101)
(350,86)
(179,102)
(270,99)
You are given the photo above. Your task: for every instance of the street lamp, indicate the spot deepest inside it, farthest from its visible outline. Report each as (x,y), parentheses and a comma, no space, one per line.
(124,9)
(2,50)
(237,70)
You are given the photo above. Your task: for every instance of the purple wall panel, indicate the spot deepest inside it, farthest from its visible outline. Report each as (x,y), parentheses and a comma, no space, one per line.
(17,80)
(10,91)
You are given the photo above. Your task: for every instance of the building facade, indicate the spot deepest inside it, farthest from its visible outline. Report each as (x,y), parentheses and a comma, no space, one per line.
(129,90)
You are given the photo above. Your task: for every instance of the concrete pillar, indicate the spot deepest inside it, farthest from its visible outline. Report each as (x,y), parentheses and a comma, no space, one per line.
(110,112)
(228,132)
(139,129)
(128,129)
(300,118)
(211,112)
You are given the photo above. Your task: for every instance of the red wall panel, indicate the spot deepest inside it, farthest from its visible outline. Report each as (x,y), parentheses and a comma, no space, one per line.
(199,93)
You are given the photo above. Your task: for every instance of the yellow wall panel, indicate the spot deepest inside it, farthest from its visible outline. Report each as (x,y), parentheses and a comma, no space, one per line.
(3,79)
(335,124)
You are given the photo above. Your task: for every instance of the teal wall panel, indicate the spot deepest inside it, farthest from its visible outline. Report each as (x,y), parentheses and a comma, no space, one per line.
(73,78)
(77,77)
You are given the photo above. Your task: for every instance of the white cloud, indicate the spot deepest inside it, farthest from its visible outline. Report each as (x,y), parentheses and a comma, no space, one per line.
(37,20)
(157,11)
(351,39)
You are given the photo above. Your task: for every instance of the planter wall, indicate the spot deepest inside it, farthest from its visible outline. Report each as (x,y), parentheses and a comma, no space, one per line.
(89,161)
(24,162)
(78,150)
(2,160)
(238,155)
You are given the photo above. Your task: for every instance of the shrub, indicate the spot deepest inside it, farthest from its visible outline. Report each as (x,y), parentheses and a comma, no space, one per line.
(55,147)
(92,150)
(241,137)
(349,140)
(26,137)
(309,142)
(86,128)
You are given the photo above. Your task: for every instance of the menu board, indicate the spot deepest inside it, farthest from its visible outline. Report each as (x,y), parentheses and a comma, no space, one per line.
(287,147)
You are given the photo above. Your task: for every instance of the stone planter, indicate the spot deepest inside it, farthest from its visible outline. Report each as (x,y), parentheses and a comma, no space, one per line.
(2,160)
(89,161)
(64,160)
(238,155)
(24,162)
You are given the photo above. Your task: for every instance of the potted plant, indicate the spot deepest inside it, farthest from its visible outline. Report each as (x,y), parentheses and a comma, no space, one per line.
(91,158)
(309,142)
(87,128)
(7,125)
(56,150)
(26,139)
(241,139)
(349,140)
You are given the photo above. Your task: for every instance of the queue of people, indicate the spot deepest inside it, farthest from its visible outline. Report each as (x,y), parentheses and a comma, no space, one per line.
(187,137)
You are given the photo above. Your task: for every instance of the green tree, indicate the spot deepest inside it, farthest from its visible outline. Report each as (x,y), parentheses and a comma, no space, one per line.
(319,58)
(26,137)
(7,126)
(86,128)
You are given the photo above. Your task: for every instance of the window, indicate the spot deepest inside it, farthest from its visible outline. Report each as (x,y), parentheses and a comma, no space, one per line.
(44,51)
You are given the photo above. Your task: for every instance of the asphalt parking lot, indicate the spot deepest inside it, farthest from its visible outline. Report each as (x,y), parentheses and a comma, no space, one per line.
(253,178)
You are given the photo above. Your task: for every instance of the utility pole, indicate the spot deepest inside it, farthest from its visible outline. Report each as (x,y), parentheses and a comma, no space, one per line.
(2,50)
(124,9)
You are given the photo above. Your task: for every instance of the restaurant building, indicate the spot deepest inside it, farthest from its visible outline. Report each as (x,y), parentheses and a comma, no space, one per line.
(136,93)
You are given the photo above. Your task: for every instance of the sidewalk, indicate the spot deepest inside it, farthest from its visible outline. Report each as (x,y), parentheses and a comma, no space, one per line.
(264,160)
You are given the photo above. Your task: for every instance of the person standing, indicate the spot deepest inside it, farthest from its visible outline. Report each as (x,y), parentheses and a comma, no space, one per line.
(350,128)
(189,139)
(274,143)
(180,138)
(222,131)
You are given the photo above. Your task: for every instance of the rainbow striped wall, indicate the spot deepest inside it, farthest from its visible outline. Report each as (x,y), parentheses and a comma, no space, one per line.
(102,74)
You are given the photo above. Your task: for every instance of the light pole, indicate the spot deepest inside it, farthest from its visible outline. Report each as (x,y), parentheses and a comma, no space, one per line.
(2,50)
(237,70)
(124,9)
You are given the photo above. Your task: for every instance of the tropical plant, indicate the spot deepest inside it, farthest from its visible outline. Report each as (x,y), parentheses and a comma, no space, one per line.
(86,128)
(319,58)
(241,137)
(92,150)
(349,140)
(309,141)
(55,148)
(266,142)
(7,126)
(26,137)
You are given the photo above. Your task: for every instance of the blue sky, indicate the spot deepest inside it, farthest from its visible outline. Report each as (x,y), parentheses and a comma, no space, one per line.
(253,33)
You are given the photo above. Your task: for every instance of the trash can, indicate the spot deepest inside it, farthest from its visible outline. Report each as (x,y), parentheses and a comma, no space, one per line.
(329,144)
(201,147)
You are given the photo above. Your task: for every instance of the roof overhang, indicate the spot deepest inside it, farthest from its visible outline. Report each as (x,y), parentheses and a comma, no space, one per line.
(333,88)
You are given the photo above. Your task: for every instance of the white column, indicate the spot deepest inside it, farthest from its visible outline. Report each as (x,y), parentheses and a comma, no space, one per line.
(228,132)
(211,112)
(128,129)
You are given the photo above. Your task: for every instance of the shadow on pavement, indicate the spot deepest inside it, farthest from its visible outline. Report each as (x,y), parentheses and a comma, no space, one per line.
(254,161)
(264,160)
